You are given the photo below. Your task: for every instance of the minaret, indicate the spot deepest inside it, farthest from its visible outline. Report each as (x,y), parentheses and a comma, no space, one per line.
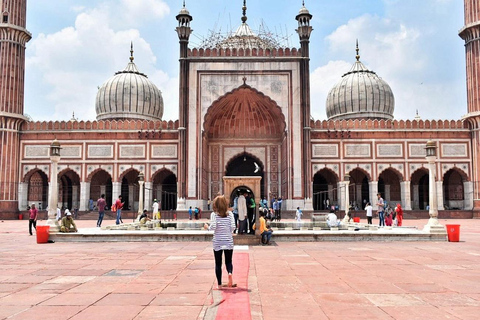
(304,30)
(183,30)
(470,33)
(13,37)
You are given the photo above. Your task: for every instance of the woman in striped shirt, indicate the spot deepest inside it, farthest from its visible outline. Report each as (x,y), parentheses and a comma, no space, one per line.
(223,225)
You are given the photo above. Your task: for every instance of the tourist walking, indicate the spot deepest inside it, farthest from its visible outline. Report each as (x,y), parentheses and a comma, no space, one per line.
(118,207)
(223,226)
(279,201)
(275,209)
(101,204)
(399,212)
(381,209)
(155,210)
(32,220)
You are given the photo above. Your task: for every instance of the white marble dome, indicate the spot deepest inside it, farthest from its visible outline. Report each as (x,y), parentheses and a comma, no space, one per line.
(129,94)
(360,94)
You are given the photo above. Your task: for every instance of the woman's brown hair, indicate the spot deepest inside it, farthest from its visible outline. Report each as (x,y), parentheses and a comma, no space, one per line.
(221,205)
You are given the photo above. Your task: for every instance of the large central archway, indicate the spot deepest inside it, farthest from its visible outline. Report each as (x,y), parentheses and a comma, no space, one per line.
(243,119)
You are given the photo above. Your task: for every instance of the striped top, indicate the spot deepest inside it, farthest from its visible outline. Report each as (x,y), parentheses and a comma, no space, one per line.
(223,228)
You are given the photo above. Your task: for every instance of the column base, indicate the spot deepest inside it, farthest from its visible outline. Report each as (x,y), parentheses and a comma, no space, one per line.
(181,204)
(433,226)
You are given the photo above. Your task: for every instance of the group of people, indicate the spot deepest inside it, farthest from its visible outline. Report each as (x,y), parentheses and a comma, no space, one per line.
(196,213)
(67,223)
(386,215)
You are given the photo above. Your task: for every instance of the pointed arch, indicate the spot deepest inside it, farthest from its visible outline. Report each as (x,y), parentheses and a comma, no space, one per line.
(325,183)
(244,113)
(419,189)
(389,186)
(164,188)
(453,188)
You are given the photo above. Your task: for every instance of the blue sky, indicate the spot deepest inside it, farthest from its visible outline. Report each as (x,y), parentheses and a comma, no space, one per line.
(77,45)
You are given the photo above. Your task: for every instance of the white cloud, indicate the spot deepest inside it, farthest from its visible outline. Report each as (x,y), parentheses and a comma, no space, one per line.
(394,50)
(71,63)
(138,11)
(322,80)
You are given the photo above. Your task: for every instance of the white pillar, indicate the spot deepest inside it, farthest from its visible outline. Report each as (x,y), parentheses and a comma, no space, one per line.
(433,225)
(440,195)
(53,194)
(387,194)
(116,191)
(346,185)
(140,198)
(330,194)
(467,195)
(341,195)
(84,196)
(373,190)
(358,194)
(75,202)
(416,197)
(131,202)
(148,195)
(22,196)
(405,195)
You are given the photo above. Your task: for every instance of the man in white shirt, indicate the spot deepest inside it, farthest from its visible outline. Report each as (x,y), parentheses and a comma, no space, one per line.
(155,212)
(332,220)
(242,213)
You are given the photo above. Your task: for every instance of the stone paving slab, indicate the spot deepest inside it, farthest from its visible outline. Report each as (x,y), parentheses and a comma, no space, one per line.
(288,280)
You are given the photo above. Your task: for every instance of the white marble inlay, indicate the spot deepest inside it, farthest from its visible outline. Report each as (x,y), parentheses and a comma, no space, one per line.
(100,151)
(37,151)
(325,150)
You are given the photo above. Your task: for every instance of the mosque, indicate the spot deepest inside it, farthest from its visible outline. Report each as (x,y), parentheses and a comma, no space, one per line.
(244,122)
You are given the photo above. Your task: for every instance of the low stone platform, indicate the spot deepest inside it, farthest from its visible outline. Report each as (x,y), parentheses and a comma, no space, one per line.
(292,233)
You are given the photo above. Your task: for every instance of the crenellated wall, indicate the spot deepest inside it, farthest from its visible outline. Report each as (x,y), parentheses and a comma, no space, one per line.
(100,125)
(387,124)
(214,52)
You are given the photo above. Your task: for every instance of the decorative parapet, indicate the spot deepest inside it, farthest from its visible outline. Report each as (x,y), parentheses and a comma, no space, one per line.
(100,125)
(369,124)
(234,52)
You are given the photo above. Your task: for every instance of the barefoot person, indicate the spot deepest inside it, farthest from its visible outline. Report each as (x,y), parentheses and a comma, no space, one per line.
(223,226)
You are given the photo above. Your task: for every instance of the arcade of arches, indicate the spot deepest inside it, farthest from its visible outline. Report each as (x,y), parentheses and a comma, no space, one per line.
(413,194)
(326,185)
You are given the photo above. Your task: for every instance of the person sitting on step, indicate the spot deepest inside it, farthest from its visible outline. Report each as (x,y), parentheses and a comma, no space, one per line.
(68,225)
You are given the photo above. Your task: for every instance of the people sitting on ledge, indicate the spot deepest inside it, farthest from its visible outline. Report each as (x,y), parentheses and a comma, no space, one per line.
(68,225)
(332,220)
(143,217)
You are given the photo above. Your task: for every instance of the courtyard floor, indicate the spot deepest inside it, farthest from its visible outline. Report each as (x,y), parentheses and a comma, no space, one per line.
(288,280)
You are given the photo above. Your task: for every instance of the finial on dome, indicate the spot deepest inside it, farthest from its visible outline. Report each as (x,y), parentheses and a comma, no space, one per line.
(184,3)
(131,51)
(358,50)
(244,81)
(303,3)
(244,9)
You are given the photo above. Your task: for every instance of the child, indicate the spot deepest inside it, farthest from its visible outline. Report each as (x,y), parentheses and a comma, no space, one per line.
(298,217)
(369,210)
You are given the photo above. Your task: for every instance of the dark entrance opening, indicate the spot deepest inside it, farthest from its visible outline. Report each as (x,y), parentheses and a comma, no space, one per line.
(247,165)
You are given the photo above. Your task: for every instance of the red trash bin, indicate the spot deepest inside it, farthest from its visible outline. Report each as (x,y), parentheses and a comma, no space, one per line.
(42,234)
(453,232)
(356,219)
